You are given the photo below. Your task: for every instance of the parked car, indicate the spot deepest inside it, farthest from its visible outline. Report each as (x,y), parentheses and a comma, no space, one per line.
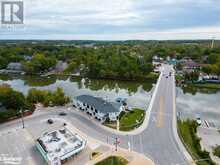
(62,114)
(50,121)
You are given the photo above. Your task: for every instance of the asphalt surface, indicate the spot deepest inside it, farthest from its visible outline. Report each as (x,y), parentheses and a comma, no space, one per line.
(157,141)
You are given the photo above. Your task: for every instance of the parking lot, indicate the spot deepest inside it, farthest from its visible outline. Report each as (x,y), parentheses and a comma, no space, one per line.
(18,144)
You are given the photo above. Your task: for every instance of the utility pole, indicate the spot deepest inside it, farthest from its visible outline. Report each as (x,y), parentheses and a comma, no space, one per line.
(22,118)
(116,144)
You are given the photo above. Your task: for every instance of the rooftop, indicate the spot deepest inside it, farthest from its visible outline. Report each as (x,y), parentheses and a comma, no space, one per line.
(61,143)
(99,104)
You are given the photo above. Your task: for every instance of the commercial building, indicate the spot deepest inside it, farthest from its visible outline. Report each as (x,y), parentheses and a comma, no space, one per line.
(58,146)
(98,107)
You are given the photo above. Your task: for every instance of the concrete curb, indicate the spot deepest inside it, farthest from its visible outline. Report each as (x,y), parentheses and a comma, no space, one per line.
(175,133)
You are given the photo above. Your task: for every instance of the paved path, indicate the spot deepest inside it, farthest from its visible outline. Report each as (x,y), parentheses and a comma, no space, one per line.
(158,141)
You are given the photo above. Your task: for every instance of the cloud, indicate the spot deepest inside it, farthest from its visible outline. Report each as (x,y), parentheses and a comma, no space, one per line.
(118,19)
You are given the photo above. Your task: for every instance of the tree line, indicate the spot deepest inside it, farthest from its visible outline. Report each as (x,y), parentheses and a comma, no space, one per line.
(12,102)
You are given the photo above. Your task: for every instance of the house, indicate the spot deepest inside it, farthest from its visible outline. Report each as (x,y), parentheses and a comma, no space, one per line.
(28,58)
(172,61)
(14,66)
(190,66)
(99,108)
(58,146)
(208,77)
(61,66)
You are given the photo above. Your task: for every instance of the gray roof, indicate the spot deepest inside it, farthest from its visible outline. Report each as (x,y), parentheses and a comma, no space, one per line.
(14,66)
(99,104)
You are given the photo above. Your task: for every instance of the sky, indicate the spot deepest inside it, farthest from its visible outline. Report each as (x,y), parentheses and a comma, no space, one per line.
(117,20)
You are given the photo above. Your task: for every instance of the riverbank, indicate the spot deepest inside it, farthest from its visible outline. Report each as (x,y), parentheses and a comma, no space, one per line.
(206,85)
(188,134)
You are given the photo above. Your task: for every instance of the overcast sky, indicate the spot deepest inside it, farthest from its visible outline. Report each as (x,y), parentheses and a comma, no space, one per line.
(117,20)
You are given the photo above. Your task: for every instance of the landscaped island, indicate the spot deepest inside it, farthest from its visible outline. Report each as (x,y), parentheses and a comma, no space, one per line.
(113,160)
(128,120)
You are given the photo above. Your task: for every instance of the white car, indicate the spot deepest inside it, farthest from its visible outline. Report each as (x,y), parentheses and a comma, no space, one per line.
(198,120)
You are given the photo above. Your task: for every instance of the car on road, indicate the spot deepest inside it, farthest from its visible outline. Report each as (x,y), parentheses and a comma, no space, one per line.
(62,114)
(166,76)
(198,119)
(50,121)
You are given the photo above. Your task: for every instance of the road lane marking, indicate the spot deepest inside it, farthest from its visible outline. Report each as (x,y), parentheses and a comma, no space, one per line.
(159,123)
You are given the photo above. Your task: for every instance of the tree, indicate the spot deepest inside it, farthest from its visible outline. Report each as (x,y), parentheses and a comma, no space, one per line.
(39,63)
(11,99)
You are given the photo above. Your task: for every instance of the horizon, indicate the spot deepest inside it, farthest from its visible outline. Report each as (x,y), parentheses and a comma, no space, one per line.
(116,20)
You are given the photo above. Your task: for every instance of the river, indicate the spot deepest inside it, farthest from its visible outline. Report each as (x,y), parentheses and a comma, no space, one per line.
(190,101)
(137,93)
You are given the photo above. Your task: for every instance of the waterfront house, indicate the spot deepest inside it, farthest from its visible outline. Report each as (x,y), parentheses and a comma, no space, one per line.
(14,66)
(98,107)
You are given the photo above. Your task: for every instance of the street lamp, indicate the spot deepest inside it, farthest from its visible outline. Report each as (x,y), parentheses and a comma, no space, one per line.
(22,118)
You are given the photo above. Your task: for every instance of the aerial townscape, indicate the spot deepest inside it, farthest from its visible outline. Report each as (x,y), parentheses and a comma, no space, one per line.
(110,83)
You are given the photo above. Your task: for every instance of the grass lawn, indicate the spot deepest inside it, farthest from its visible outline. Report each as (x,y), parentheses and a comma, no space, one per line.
(113,160)
(208,85)
(132,119)
(187,131)
(216,151)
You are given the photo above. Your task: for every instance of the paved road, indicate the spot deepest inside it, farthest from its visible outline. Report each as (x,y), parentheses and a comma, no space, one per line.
(156,141)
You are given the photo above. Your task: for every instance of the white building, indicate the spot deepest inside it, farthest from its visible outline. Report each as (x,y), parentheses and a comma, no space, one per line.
(57,146)
(98,107)
(14,66)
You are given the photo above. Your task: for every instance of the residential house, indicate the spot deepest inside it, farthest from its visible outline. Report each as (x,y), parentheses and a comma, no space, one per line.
(14,66)
(190,66)
(28,58)
(98,107)
(61,66)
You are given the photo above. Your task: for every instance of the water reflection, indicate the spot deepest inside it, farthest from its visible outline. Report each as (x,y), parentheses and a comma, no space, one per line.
(137,94)
(204,102)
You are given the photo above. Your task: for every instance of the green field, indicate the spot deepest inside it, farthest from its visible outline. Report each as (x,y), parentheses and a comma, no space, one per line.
(128,121)
(113,160)
(187,131)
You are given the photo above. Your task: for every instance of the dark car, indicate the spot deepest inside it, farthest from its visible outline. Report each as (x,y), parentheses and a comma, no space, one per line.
(62,114)
(50,121)
(166,76)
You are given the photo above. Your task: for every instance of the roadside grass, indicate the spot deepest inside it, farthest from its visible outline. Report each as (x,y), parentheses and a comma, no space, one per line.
(207,85)
(113,160)
(110,124)
(187,131)
(216,151)
(130,120)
